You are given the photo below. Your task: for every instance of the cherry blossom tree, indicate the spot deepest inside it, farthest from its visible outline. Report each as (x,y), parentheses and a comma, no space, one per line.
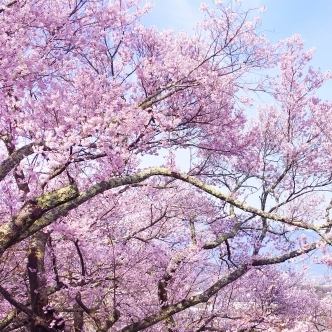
(90,240)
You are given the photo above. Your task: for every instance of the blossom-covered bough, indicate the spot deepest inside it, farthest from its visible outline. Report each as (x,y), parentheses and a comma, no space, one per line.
(92,241)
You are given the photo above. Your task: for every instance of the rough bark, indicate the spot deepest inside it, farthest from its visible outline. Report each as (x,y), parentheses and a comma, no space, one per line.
(37,280)
(47,208)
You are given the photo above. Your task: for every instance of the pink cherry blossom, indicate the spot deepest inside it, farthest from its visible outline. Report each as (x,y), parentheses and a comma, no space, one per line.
(102,229)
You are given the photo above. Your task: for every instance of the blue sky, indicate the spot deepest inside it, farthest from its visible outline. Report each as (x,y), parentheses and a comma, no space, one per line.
(310,18)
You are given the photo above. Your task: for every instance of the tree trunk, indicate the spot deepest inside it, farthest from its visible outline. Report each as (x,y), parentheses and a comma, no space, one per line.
(37,279)
(78,318)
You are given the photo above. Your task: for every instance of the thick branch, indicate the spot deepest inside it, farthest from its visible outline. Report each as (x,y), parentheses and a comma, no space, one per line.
(7,319)
(186,303)
(207,294)
(223,238)
(14,159)
(14,302)
(285,257)
(55,205)
(31,211)
(80,255)
(7,6)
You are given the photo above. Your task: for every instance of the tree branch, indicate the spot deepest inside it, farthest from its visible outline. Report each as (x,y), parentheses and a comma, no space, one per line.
(208,293)
(60,202)
(14,159)
(186,303)
(8,319)
(14,302)
(80,255)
